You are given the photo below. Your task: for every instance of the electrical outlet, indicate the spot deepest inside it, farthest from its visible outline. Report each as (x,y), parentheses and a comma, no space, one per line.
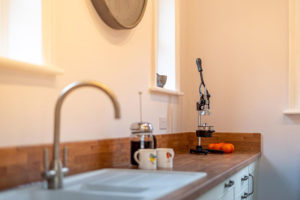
(163,123)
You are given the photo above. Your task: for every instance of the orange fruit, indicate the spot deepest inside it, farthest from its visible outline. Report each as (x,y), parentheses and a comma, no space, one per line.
(228,148)
(211,146)
(218,146)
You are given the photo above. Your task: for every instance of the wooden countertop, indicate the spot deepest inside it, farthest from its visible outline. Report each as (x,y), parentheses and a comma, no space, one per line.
(218,168)
(86,156)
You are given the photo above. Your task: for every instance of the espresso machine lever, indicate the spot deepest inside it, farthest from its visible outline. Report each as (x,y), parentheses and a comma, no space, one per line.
(203,108)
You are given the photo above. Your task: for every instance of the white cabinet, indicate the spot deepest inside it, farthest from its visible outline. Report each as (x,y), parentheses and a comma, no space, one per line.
(252,181)
(240,186)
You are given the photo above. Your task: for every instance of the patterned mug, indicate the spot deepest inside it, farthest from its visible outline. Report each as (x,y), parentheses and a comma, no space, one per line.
(165,157)
(146,158)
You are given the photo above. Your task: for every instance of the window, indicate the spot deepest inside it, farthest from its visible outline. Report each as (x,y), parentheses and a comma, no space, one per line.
(294,57)
(24,35)
(166,43)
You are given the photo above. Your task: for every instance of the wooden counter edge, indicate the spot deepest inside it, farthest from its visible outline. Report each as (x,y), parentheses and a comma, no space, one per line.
(197,188)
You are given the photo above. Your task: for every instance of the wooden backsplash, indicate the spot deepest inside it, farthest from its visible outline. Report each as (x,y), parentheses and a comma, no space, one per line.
(241,141)
(21,165)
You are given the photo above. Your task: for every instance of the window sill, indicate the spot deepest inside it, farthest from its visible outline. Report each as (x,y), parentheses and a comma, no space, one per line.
(6,63)
(291,112)
(165,91)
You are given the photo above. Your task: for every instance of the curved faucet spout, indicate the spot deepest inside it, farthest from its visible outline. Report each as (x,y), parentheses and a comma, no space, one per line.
(65,92)
(55,181)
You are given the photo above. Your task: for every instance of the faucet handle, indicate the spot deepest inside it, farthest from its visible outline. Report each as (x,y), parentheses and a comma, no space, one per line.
(47,173)
(65,156)
(46,160)
(65,169)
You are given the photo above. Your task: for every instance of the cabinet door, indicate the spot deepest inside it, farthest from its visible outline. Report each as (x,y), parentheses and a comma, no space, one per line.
(242,195)
(241,180)
(252,181)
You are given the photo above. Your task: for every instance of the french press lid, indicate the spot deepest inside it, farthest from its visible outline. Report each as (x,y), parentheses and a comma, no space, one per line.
(141,127)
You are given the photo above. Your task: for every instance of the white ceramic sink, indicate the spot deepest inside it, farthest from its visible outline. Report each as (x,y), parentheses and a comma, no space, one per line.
(112,184)
(62,194)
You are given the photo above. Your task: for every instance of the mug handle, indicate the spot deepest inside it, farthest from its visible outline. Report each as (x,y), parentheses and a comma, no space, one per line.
(135,156)
(172,153)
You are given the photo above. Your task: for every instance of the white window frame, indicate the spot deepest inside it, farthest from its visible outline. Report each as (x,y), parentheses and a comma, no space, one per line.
(153,88)
(47,43)
(294,58)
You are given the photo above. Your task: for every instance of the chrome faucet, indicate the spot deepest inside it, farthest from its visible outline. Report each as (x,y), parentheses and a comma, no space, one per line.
(55,175)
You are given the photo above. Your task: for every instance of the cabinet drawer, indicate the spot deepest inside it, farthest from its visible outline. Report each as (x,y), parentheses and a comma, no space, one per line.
(241,180)
(242,194)
(215,193)
(229,194)
(229,188)
(219,192)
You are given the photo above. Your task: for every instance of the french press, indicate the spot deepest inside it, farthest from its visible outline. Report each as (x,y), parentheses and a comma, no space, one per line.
(141,138)
(141,135)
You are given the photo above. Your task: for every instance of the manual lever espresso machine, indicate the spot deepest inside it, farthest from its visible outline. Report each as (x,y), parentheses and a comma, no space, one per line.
(203,107)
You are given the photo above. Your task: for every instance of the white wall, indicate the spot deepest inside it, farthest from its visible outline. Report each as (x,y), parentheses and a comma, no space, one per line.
(85,48)
(244,48)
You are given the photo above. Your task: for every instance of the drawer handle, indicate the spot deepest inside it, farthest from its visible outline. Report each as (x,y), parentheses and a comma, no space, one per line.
(244,178)
(245,196)
(252,177)
(231,183)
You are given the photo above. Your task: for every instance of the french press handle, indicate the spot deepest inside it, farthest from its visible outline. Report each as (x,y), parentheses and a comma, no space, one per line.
(154,142)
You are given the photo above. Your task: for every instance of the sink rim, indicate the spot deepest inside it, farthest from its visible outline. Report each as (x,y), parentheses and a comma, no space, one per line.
(78,180)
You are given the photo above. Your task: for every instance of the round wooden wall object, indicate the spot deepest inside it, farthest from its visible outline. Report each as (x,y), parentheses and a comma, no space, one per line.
(120,14)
